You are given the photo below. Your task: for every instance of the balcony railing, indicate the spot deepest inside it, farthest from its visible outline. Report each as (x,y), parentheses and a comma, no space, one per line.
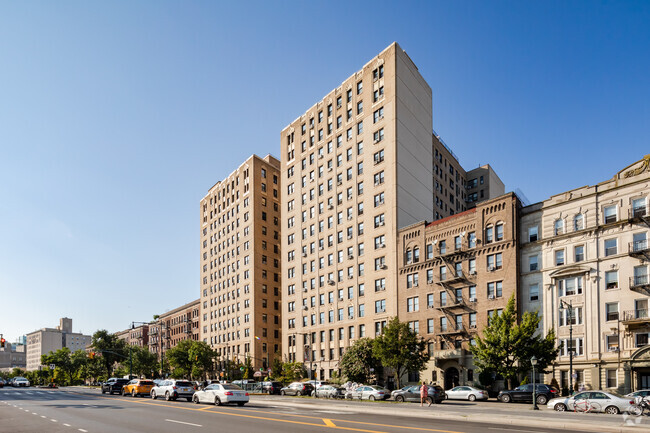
(638,212)
(454,328)
(451,303)
(639,280)
(638,314)
(638,246)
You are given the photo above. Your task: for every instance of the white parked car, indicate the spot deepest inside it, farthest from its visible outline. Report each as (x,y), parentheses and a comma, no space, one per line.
(221,393)
(20,381)
(173,389)
(591,401)
(466,393)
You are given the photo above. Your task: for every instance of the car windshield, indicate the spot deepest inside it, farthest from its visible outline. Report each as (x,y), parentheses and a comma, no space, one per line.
(146,382)
(181,383)
(231,386)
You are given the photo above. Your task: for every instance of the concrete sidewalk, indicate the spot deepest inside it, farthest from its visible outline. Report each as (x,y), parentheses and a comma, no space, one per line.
(497,413)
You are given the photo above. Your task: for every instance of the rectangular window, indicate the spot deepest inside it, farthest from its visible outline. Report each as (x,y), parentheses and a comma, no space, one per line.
(559,257)
(532,263)
(579,253)
(611,311)
(611,279)
(610,247)
(533,291)
(612,379)
(610,214)
(532,234)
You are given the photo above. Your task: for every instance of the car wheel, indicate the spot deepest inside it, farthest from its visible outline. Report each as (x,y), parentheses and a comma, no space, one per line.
(471,397)
(541,399)
(103,391)
(217,402)
(400,398)
(505,398)
(282,393)
(123,392)
(241,403)
(612,410)
(196,399)
(559,407)
(167,396)
(153,395)
(371,398)
(133,393)
(189,398)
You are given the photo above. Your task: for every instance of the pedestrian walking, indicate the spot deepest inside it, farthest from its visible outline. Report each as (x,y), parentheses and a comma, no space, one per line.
(424,393)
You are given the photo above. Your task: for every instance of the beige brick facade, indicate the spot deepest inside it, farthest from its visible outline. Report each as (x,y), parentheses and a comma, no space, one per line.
(240,263)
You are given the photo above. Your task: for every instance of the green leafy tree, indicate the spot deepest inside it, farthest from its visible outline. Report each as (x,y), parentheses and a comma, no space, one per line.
(191,359)
(276,368)
(401,349)
(145,363)
(359,363)
(111,348)
(292,371)
(248,368)
(66,362)
(507,346)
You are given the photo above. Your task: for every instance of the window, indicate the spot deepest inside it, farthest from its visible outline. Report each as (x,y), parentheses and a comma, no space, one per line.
(638,207)
(495,289)
(359,87)
(576,345)
(499,232)
(612,379)
(533,291)
(611,311)
(559,257)
(612,342)
(569,286)
(558,227)
(578,222)
(378,136)
(380,306)
(575,318)
(610,247)
(378,94)
(610,214)
(412,304)
(378,115)
(611,279)
(532,263)
(489,234)
(471,240)
(411,280)
(579,253)
(532,234)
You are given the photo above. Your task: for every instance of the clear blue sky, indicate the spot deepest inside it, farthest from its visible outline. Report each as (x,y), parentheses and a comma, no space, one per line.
(116,118)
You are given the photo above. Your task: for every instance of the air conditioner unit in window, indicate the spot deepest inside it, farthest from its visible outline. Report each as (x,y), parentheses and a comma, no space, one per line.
(381,223)
(349,218)
(430,281)
(304,307)
(329,169)
(472,326)
(330,207)
(330,282)
(416,284)
(320,156)
(472,299)
(613,349)
(491,297)
(320,248)
(383,267)
(304,289)
(350,277)
(351,316)
(351,256)
(375,141)
(304,254)
(311,180)
(491,268)
(472,272)
(381,310)
(382,245)
(340,298)
(430,306)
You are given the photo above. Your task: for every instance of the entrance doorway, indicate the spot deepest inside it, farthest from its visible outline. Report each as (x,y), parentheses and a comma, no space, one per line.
(451,377)
(644,380)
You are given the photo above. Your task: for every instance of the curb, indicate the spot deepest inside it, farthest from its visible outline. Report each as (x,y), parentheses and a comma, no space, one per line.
(569,425)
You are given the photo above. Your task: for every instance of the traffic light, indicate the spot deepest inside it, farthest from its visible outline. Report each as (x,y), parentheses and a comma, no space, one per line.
(2,342)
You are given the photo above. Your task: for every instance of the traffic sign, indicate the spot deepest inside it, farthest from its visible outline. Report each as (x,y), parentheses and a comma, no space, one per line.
(52,366)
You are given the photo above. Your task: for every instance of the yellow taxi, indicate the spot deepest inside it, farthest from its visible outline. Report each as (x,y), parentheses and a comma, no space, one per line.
(138,387)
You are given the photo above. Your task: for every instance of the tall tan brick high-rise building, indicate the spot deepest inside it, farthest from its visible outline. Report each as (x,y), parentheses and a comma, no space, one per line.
(357,167)
(240,263)
(454,274)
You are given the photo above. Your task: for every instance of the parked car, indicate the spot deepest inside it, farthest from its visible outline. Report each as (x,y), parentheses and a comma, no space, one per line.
(221,393)
(138,387)
(297,388)
(271,387)
(329,391)
(173,389)
(368,392)
(639,393)
(19,381)
(435,394)
(466,393)
(317,383)
(2,382)
(543,393)
(593,401)
(114,385)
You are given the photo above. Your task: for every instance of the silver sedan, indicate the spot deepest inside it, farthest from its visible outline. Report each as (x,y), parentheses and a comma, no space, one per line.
(466,393)
(591,401)
(368,392)
(219,394)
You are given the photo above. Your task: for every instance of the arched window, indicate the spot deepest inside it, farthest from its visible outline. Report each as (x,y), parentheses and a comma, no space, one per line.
(499,232)
(559,227)
(416,254)
(409,256)
(489,234)
(578,222)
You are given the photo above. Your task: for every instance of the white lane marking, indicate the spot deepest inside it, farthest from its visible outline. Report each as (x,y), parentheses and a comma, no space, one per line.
(82,430)
(182,422)
(26,410)
(43,416)
(512,429)
(34,413)
(53,420)
(67,425)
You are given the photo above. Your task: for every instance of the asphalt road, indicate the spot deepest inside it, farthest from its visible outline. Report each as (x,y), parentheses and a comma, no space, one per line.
(88,411)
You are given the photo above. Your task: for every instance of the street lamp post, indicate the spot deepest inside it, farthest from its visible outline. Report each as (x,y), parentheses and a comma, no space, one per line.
(533,362)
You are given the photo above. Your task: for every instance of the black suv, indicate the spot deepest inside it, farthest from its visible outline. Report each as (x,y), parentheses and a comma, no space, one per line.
(271,387)
(525,393)
(114,385)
